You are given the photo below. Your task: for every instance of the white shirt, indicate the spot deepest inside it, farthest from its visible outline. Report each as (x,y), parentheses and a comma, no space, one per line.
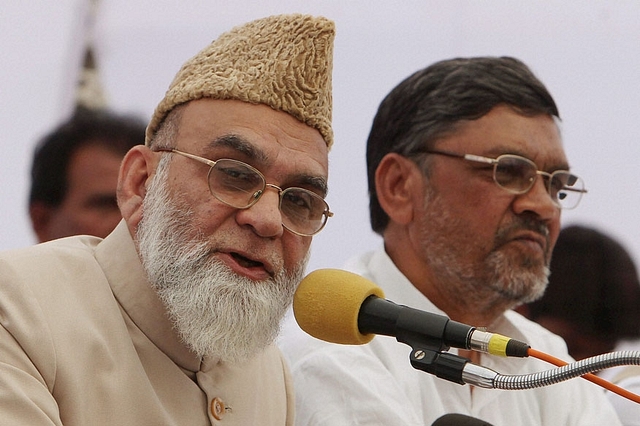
(375,384)
(627,377)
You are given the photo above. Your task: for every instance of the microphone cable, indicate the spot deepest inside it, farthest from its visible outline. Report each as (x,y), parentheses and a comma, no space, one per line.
(592,377)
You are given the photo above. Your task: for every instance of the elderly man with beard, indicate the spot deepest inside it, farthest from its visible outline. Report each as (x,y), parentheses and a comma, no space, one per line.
(170,319)
(467,179)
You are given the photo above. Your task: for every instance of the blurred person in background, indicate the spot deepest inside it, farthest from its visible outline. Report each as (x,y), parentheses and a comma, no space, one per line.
(74,174)
(593,302)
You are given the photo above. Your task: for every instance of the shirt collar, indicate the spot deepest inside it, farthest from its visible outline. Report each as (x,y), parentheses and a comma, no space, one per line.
(119,259)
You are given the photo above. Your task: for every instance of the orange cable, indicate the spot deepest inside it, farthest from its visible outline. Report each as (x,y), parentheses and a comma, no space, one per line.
(591,377)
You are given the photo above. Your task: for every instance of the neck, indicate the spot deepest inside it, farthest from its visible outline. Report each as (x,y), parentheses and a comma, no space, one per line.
(480,309)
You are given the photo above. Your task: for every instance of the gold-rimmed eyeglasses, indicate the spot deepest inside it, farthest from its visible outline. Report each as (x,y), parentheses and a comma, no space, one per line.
(239,185)
(517,175)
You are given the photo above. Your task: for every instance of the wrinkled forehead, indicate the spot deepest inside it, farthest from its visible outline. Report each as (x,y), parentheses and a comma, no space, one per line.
(254,132)
(505,131)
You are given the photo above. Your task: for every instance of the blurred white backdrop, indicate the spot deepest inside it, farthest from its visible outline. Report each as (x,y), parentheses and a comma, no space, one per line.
(588,55)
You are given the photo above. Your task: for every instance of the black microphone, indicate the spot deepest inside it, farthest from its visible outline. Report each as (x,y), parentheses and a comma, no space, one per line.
(455,419)
(342,307)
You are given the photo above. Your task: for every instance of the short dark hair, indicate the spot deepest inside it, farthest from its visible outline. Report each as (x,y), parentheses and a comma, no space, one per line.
(432,102)
(51,157)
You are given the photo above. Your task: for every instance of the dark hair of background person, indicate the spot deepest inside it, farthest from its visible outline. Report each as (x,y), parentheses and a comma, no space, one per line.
(117,133)
(593,296)
(432,102)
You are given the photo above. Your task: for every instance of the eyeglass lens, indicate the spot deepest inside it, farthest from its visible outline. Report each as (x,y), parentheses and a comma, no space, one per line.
(240,186)
(518,174)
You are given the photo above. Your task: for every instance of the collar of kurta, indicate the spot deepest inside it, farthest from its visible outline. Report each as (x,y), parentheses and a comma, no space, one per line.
(121,264)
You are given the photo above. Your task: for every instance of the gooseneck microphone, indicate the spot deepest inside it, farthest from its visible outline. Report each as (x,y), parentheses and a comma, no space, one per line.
(342,307)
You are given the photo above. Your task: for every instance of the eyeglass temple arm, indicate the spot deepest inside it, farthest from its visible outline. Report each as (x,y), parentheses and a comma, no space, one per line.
(470,157)
(206,161)
(478,158)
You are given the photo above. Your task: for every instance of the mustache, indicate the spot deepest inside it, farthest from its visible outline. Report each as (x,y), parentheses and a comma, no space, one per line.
(522,223)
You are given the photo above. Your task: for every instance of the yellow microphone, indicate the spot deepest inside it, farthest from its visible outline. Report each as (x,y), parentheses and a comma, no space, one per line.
(342,307)
(327,303)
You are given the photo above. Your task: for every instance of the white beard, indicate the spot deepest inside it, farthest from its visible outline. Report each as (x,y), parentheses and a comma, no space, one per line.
(216,312)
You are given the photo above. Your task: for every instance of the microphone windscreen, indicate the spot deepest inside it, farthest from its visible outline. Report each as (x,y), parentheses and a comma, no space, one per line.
(327,302)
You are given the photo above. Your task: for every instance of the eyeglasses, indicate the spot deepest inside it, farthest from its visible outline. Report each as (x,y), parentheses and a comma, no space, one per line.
(239,185)
(517,175)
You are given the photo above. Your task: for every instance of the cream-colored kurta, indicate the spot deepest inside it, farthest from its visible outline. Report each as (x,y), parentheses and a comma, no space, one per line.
(85,341)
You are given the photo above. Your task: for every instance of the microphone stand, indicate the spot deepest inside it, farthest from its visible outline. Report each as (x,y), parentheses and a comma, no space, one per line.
(441,364)
(461,370)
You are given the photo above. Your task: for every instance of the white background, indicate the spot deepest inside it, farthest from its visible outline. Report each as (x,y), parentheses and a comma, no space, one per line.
(587,53)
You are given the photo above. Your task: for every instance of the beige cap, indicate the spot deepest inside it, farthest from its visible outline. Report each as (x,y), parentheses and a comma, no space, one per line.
(282,61)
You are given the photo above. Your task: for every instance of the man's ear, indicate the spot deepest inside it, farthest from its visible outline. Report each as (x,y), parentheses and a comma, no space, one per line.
(398,181)
(41,215)
(138,166)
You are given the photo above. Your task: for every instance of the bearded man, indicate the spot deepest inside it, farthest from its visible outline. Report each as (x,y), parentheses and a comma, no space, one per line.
(467,179)
(170,319)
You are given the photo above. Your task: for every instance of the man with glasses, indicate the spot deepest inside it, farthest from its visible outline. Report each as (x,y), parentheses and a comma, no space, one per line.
(170,319)
(467,180)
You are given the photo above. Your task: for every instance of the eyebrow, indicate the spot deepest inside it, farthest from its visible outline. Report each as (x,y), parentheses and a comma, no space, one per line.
(243,146)
(240,144)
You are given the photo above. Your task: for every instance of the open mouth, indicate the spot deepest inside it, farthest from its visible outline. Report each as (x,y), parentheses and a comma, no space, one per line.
(246,262)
